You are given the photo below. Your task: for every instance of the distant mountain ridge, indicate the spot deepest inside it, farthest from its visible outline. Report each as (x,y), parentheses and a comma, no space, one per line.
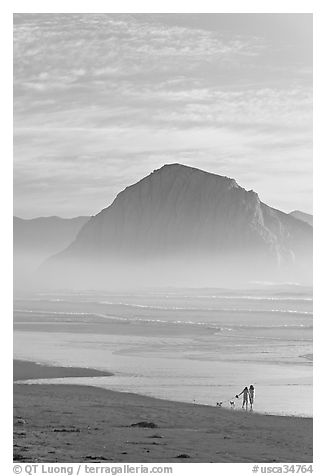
(36,239)
(306,217)
(179,214)
(46,234)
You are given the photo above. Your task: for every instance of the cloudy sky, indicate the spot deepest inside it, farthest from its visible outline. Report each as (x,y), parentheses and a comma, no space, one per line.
(101,100)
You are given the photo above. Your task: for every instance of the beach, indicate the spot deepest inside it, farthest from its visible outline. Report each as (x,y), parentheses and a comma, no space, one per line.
(185,345)
(110,360)
(75,423)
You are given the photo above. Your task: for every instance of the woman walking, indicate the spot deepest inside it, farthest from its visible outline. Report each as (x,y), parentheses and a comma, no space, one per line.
(245,393)
(251,395)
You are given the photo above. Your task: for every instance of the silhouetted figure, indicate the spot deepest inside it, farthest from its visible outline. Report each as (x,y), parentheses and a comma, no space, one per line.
(245,393)
(251,395)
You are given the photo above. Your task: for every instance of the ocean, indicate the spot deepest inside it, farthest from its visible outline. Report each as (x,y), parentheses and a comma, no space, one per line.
(193,345)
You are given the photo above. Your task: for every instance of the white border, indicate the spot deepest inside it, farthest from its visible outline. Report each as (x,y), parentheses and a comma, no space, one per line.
(167,6)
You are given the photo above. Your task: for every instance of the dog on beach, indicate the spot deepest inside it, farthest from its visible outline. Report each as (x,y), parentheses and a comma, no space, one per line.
(219,404)
(232,404)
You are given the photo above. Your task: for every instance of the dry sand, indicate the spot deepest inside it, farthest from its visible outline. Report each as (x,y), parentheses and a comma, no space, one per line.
(70,423)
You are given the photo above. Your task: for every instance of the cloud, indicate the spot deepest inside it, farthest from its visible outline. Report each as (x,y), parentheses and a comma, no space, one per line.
(102,99)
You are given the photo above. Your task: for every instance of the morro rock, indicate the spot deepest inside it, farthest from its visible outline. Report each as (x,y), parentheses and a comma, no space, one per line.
(179,221)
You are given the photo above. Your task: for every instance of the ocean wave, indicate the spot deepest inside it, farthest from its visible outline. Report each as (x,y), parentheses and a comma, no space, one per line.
(209,325)
(231,310)
(264,298)
(183,296)
(61,313)
(210,309)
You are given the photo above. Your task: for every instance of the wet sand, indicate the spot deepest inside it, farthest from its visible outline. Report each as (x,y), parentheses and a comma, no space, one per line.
(23,369)
(73,423)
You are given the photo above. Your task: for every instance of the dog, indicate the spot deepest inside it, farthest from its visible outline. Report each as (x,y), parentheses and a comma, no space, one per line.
(232,404)
(219,404)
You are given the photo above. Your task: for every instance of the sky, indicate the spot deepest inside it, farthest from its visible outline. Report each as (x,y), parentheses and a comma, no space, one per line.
(102,100)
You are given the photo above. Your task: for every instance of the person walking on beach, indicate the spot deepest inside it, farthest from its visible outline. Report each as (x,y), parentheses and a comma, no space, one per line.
(245,393)
(251,395)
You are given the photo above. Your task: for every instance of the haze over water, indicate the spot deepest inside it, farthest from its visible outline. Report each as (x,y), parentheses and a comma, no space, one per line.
(201,345)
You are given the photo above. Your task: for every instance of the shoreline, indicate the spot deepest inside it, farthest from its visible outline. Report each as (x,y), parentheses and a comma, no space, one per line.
(77,423)
(25,371)
(35,371)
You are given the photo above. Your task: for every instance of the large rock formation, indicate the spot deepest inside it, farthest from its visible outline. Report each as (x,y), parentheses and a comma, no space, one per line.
(179,222)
